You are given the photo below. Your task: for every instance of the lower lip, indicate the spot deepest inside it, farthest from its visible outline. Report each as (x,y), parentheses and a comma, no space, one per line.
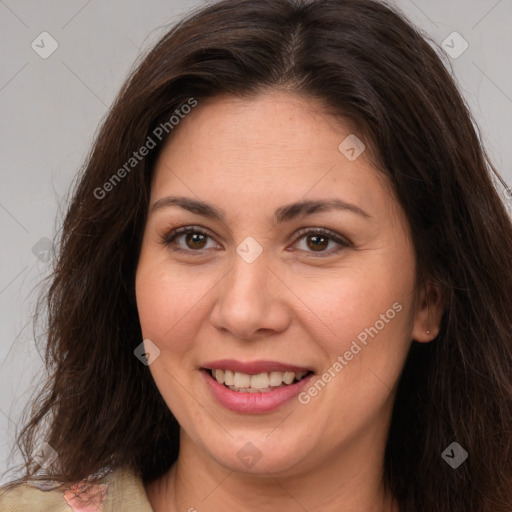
(253,403)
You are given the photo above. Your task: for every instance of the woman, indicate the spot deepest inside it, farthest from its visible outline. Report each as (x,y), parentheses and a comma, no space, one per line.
(284,281)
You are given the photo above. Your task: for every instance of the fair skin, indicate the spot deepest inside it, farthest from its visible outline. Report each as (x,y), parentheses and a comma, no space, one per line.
(302,301)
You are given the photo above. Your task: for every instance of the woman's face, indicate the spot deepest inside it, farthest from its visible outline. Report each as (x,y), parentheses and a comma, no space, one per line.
(256,291)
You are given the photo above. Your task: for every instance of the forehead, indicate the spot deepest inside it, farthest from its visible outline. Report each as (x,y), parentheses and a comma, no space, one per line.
(274,121)
(276,146)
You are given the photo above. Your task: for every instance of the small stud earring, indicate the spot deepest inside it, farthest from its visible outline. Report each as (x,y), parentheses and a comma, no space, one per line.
(428,332)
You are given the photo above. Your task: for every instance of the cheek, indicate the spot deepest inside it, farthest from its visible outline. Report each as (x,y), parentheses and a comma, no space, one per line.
(170,304)
(365,336)
(156,306)
(366,315)
(346,302)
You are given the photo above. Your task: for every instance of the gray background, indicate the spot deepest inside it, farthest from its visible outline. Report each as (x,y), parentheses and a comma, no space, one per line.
(50,109)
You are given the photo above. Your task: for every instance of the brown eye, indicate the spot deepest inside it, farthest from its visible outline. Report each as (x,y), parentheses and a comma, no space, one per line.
(318,241)
(195,240)
(187,239)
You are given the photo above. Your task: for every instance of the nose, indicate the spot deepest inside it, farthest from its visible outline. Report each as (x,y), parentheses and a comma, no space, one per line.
(251,301)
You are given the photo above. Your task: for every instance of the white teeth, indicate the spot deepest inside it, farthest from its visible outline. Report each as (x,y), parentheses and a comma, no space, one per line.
(260,381)
(276,378)
(238,381)
(288,377)
(229,379)
(219,375)
(242,380)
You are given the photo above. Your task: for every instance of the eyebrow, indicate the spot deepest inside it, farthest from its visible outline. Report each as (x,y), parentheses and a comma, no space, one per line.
(283,214)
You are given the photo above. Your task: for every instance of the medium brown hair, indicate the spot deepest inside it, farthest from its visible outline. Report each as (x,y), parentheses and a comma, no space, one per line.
(366,63)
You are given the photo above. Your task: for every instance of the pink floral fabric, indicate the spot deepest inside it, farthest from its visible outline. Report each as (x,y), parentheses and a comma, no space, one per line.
(84,497)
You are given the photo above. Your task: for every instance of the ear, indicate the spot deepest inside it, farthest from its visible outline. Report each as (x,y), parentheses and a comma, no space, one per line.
(428,313)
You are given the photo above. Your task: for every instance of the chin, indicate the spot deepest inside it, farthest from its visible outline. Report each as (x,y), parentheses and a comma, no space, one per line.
(260,455)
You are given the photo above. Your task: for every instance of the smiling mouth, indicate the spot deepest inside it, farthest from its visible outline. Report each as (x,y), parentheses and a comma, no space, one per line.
(258,383)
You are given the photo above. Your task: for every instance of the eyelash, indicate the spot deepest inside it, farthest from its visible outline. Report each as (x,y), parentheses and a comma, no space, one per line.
(170,237)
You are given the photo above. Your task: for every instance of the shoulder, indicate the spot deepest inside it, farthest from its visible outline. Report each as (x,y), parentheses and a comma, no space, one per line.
(121,489)
(32,497)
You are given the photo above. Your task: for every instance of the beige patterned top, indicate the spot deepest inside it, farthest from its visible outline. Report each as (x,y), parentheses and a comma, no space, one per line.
(121,490)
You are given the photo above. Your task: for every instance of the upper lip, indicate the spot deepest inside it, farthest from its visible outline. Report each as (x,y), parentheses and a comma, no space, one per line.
(254,367)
